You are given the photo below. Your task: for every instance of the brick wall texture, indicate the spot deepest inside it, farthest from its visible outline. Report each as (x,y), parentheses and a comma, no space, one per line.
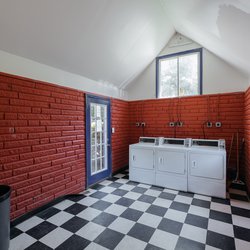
(42,134)
(247,138)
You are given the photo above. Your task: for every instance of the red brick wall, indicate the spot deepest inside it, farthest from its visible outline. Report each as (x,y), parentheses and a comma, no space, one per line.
(42,141)
(193,111)
(120,139)
(247,138)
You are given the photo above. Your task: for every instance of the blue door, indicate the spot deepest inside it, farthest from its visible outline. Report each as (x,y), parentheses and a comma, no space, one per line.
(98,139)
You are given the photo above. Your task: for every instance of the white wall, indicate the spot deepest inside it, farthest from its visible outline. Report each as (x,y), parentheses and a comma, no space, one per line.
(218,76)
(27,68)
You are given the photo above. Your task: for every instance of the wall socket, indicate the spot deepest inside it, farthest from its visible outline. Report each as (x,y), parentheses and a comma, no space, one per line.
(171,124)
(137,124)
(179,124)
(143,124)
(209,124)
(218,124)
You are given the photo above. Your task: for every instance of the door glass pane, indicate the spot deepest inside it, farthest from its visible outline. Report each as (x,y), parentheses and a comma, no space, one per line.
(98,138)
(188,75)
(168,73)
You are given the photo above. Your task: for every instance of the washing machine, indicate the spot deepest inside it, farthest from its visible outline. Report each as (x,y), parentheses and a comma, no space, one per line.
(141,160)
(171,163)
(207,167)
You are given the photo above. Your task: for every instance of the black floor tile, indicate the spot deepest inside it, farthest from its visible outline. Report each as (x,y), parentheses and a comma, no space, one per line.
(101,205)
(221,201)
(125,177)
(239,197)
(167,196)
(98,195)
(180,206)
(76,197)
(220,241)
(139,190)
(75,209)
(186,244)
(120,192)
(197,221)
(74,242)
(201,203)
(97,186)
(126,202)
(47,213)
(147,198)
(152,247)
(109,238)
(241,211)
(216,215)
(186,194)
(133,183)
(141,232)
(14,232)
(115,185)
(157,188)
(157,210)
(242,233)
(74,224)
(113,179)
(132,214)
(170,226)
(40,230)
(104,219)
(38,246)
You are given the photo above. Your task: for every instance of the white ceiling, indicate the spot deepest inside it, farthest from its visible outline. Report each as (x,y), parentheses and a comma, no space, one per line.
(112,41)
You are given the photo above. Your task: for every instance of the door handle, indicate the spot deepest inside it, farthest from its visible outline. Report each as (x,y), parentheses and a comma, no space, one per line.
(133,157)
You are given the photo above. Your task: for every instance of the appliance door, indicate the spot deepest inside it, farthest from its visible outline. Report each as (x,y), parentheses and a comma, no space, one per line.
(207,165)
(142,158)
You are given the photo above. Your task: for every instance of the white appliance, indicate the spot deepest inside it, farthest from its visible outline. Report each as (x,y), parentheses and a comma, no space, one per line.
(207,167)
(171,164)
(141,160)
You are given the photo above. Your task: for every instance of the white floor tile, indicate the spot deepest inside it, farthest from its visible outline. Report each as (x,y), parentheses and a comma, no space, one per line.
(130,243)
(89,191)
(150,220)
(115,209)
(163,239)
(88,201)
(162,202)
(56,237)
(108,189)
(143,185)
(171,191)
(241,221)
(21,242)
(194,233)
(183,199)
(90,231)
(240,204)
(60,218)
(176,215)
(196,210)
(28,224)
(242,244)
(141,206)
(119,175)
(122,225)
(94,246)
(152,192)
(221,227)
(106,182)
(126,187)
(220,207)
(89,213)
(64,204)
(132,195)
(202,197)
(211,248)
(111,198)
(122,181)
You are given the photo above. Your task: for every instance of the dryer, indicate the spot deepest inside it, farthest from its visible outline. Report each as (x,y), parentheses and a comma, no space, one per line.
(207,167)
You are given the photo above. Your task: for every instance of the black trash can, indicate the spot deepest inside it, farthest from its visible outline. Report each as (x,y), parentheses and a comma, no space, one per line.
(4,217)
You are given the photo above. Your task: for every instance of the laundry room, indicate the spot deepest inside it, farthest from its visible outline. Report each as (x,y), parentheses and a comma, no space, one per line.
(124,125)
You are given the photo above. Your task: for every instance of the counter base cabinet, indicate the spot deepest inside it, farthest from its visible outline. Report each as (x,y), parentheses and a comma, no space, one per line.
(141,165)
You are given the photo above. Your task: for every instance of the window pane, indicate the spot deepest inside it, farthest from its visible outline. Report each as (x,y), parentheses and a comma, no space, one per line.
(168,78)
(188,75)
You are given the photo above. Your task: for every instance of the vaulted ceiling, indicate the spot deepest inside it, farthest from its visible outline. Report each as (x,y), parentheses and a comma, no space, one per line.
(112,41)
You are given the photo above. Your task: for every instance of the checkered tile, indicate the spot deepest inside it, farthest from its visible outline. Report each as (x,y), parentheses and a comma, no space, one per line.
(122,214)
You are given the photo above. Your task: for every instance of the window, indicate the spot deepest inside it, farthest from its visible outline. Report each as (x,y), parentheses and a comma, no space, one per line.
(179,74)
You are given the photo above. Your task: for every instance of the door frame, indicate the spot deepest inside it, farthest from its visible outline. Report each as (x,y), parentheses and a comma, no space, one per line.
(106,101)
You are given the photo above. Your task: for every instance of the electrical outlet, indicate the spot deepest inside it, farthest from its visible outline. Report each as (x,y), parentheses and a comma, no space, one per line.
(218,124)
(171,124)
(137,124)
(209,124)
(179,124)
(143,124)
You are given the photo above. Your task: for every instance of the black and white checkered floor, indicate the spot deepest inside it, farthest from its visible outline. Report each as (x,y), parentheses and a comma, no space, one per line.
(120,214)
